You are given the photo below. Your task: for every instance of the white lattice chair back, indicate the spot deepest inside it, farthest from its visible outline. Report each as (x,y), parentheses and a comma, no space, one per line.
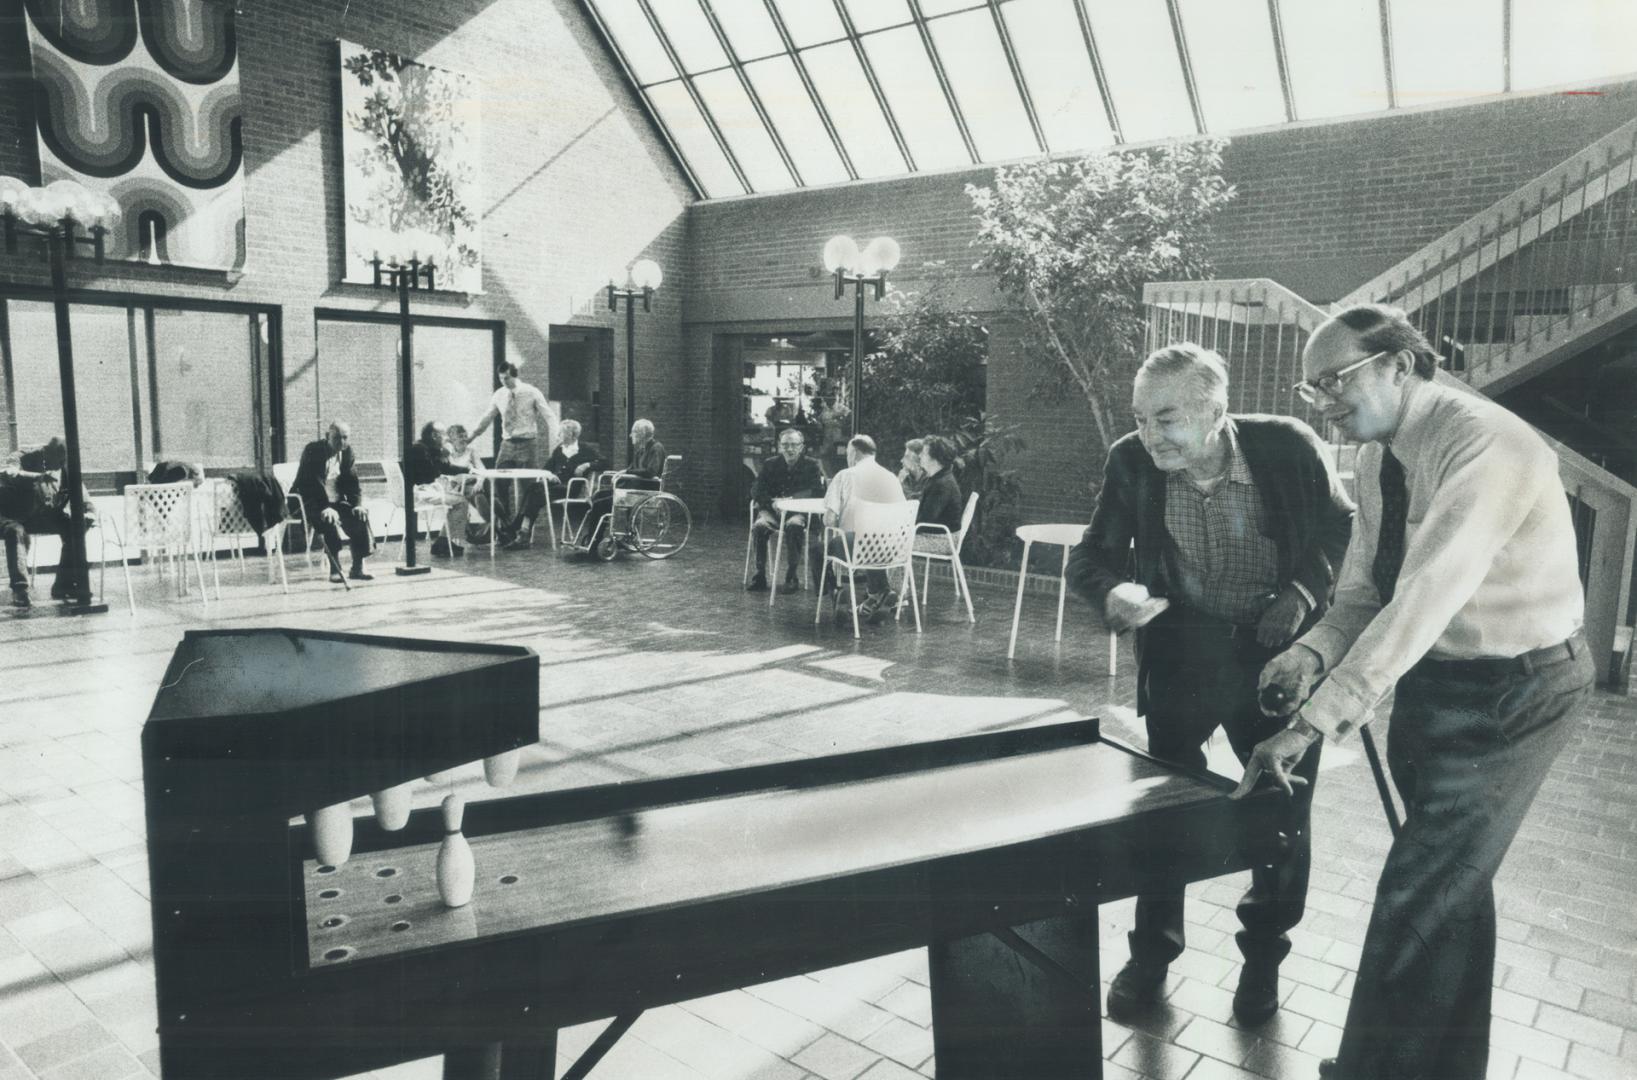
(285,473)
(160,515)
(228,517)
(883,534)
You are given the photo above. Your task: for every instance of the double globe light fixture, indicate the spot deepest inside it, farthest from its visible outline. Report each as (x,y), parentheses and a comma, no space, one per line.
(849,265)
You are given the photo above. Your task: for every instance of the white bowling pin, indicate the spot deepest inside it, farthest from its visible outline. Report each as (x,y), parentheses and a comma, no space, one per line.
(332,833)
(455,867)
(501,769)
(392,807)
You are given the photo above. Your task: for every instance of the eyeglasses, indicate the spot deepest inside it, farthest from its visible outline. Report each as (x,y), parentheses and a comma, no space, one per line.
(1330,385)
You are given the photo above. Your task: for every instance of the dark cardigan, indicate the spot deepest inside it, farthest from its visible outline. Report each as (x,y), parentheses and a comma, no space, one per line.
(941,502)
(1311,516)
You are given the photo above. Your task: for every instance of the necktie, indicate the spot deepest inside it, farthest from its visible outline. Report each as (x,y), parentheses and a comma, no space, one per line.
(1395,509)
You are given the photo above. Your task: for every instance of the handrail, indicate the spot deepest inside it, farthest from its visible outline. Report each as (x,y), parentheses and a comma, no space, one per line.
(1256,292)
(1487,230)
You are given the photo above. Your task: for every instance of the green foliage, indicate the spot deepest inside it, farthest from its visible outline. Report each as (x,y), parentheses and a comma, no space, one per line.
(1072,242)
(982,445)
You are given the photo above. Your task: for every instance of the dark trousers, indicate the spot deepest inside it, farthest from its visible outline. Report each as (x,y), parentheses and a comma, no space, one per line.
(355,526)
(15,535)
(1197,674)
(16,540)
(795,541)
(520,454)
(1469,745)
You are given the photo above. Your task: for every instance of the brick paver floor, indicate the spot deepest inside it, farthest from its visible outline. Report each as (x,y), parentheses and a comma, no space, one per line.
(653,668)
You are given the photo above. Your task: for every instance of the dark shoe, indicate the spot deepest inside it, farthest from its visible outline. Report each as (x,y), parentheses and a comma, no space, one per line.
(440,546)
(757,584)
(520,542)
(869,609)
(337,579)
(1327,1069)
(457,549)
(889,606)
(1134,989)
(359,575)
(792,583)
(1257,997)
(19,597)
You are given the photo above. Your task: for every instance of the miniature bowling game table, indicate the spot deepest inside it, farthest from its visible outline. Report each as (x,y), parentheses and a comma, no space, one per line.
(991,851)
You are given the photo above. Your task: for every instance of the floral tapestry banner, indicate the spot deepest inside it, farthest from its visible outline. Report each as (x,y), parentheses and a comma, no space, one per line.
(410,145)
(139,99)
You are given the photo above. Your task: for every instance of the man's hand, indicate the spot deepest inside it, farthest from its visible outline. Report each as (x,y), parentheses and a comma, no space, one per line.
(1275,756)
(1127,606)
(1281,619)
(1292,672)
(329,516)
(360,513)
(580,469)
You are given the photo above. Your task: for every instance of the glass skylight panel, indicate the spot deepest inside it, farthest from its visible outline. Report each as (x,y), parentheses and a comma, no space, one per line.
(853,110)
(810,22)
(976,67)
(1139,57)
(1334,50)
(867,15)
(933,8)
(749,28)
(1230,43)
(1571,42)
(1446,51)
(690,34)
(905,73)
(797,120)
(1052,53)
(747,136)
(693,138)
(631,31)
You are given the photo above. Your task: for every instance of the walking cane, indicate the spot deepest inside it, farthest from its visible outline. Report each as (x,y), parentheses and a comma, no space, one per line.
(1277,701)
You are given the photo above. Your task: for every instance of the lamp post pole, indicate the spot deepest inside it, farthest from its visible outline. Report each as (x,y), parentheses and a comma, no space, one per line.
(850,266)
(404,278)
(643,278)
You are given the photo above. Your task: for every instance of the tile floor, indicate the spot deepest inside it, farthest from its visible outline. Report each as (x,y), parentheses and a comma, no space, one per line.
(653,668)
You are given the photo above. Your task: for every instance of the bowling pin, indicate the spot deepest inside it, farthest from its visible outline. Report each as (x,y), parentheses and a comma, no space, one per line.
(455,867)
(501,769)
(392,807)
(332,833)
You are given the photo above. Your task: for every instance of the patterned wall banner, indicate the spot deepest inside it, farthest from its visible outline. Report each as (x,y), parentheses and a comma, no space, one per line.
(140,99)
(409,144)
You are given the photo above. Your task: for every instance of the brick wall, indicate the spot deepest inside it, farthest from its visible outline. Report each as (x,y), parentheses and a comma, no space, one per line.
(575,184)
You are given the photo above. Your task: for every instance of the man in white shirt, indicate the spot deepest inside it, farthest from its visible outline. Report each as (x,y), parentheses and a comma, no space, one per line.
(1461,594)
(525,428)
(863,480)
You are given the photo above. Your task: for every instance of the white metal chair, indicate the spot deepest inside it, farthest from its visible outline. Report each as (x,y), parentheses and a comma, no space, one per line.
(883,539)
(584,485)
(227,519)
(285,473)
(437,515)
(750,540)
(953,558)
(104,525)
(161,520)
(1064,535)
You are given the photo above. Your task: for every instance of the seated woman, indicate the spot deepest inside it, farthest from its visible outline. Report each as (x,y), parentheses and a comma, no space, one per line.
(912,478)
(429,460)
(573,459)
(461,451)
(941,501)
(643,471)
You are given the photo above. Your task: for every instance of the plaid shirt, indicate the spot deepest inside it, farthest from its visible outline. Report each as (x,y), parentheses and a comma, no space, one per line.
(1226,565)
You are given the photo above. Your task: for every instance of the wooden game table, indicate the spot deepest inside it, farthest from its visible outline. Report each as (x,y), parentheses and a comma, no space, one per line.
(608,901)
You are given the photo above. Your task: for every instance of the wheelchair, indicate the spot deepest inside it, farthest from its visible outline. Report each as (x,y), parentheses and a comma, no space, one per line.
(649,521)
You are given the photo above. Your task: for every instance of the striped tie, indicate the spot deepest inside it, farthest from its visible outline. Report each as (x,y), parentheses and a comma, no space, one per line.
(1395,509)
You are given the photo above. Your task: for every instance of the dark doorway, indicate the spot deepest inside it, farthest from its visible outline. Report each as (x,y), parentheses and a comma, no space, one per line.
(578,379)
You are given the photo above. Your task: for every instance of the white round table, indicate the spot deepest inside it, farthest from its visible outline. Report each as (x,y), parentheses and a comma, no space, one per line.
(786,507)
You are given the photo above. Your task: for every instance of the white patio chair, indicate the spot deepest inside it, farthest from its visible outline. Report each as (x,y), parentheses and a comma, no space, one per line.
(437,515)
(750,540)
(160,519)
(227,519)
(584,485)
(105,524)
(956,539)
(285,473)
(883,539)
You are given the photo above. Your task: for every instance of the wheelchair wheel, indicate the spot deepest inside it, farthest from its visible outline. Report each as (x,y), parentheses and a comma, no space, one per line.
(660,525)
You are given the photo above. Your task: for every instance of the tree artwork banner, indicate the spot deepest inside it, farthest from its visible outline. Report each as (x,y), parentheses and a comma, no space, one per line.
(139,99)
(410,148)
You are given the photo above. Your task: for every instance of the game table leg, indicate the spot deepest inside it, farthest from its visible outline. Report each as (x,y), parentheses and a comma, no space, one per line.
(502,1061)
(1022,1002)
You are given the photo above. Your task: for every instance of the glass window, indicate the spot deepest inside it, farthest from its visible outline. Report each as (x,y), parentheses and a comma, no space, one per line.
(810,23)
(1334,51)
(970,49)
(690,34)
(795,116)
(933,8)
(752,147)
(631,31)
(749,29)
(905,73)
(102,381)
(1230,44)
(1573,42)
(1139,55)
(1052,53)
(688,129)
(1446,51)
(868,15)
(200,403)
(853,109)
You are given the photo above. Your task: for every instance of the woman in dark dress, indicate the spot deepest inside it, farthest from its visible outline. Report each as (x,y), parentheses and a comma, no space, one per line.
(941,500)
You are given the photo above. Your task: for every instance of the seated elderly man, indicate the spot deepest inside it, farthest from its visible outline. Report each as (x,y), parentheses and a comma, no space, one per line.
(647,464)
(329,488)
(791,475)
(33,503)
(864,480)
(428,460)
(572,459)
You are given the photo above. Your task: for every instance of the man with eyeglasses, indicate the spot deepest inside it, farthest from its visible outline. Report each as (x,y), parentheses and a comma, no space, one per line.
(791,475)
(1217,539)
(1460,595)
